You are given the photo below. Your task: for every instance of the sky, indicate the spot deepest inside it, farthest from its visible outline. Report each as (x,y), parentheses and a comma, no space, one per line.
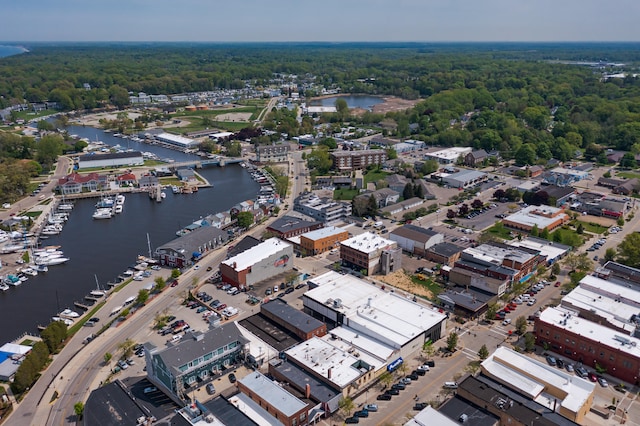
(320,20)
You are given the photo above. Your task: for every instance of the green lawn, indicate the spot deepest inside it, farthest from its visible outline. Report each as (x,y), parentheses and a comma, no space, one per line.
(374,176)
(431,285)
(500,231)
(593,227)
(30,115)
(628,175)
(344,194)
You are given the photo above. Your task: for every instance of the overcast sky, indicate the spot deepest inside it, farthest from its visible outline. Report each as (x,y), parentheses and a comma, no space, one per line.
(320,20)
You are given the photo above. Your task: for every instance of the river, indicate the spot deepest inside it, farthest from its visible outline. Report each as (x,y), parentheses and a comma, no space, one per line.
(105,248)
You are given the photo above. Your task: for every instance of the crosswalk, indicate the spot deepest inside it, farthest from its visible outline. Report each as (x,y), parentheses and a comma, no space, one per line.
(470,353)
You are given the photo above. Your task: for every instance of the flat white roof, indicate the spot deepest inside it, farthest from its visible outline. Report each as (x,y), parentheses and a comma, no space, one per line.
(431,417)
(272,393)
(327,360)
(548,250)
(220,134)
(323,233)
(252,410)
(528,217)
(496,255)
(450,153)
(256,254)
(13,348)
(176,139)
(370,350)
(506,365)
(257,347)
(561,318)
(368,242)
(381,314)
(594,294)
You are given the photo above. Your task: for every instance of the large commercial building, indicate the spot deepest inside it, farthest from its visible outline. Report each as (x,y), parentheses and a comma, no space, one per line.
(549,386)
(463,178)
(323,210)
(118,159)
(266,260)
(293,320)
(195,360)
(449,155)
(321,240)
(76,183)
(415,239)
(592,344)
(272,153)
(357,160)
(500,261)
(398,325)
(176,140)
(541,217)
(550,250)
(371,253)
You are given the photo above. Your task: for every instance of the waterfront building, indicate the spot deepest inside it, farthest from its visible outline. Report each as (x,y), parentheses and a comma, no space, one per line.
(290,226)
(184,250)
(76,183)
(266,260)
(272,153)
(108,160)
(176,140)
(371,253)
(195,359)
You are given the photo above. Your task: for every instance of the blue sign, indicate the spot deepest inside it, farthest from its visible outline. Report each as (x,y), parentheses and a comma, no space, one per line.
(395,364)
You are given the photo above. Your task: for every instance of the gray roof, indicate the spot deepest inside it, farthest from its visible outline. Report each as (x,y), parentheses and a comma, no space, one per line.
(272,393)
(290,223)
(110,156)
(287,314)
(245,244)
(189,348)
(194,240)
(272,148)
(227,413)
(299,378)
(558,192)
(481,153)
(414,233)
(467,299)
(445,249)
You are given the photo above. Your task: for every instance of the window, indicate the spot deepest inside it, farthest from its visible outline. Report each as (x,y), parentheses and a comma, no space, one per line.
(627,364)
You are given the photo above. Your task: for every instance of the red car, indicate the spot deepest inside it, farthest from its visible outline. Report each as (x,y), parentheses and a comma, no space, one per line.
(174,283)
(593,377)
(221,307)
(557,284)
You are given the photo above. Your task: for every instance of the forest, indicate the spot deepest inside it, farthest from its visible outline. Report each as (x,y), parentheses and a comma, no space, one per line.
(530,102)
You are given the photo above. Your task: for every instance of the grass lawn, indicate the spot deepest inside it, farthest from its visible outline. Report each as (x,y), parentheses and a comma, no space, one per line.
(500,231)
(27,342)
(30,115)
(628,175)
(373,176)
(593,228)
(345,194)
(431,285)
(196,125)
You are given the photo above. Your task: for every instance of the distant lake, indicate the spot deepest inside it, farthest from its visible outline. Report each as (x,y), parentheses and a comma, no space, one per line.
(11,50)
(353,101)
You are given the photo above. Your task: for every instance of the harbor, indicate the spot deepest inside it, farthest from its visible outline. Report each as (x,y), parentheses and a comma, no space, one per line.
(104,248)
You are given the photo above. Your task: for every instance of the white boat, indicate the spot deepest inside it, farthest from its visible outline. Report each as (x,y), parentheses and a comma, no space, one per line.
(65,207)
(69,313)
(103,213)
(120,199)
(52,261)
(163,195)
(96,293)
(42,268)
(175,189)
(4,287)
(50,231)
(118,208)
(29,271)
(11,248)
(67,321)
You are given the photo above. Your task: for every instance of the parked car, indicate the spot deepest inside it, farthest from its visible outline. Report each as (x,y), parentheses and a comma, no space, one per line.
(352,420)
(392,391)
(361,413)
(569,367)
(415,375)
(419,406)
(593,377)
(405,381)
(232,378)
(299,286)
(289,290)
(581,372)
(557,284)
(371,407)
(423,367)
(210,389)
(603,382)
(551,360)
(559,363)
(507,321)
(384,397)
(399,386)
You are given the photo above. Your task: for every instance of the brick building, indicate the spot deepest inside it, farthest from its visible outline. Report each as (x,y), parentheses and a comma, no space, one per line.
(371,253)
(321,240)
(295,321)
(357,160)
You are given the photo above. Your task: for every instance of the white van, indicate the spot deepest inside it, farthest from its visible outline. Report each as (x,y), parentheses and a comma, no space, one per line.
(450,385)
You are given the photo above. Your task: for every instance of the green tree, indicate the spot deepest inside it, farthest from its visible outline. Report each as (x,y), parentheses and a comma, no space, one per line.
(143,296)
(521,325)
(386,379)
(319,161)
(175,273)
(491,312)
(525,155)
(580,229)
(628,161)
(529,342)
(53,335)
(391,154)
(107,358)
(161,283)
(342,109)
(610,254)
(534,231)
(428,349)
(329,143)
(555,268)
(483,353)
(78,409)
(629,250)
(346,405)
(127,348)
(452,341)
(429,167)
(119,96)
(408,191)
(48,149)
(245,219)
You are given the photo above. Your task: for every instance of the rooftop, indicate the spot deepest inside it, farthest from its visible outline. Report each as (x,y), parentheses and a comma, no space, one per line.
(466,175)
(415,233)
(272,393)
(323,233)
(540,216)
(450,153)
(496,255)
(299,377)
(111,405)
(534,378)
(357,153)
(565,319)
(551,250)
(445,249)
(368,243)
(194,240)
(176,139)
(255,254)
(290,223)
(251,409)
(288,314)
(110,156)
(430,417)
(383,315)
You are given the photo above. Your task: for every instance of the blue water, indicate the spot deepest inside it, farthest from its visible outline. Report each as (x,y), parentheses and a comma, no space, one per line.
(353,101)
(10,50)
(105,248)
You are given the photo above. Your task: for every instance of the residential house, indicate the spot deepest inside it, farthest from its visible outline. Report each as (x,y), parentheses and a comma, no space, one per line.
(475,158)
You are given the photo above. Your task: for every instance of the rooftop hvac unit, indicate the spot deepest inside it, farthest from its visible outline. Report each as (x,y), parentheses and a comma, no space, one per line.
(463,418)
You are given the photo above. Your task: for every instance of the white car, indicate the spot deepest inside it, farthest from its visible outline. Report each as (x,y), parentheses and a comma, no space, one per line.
(531,302)
(507,321)
(517,301)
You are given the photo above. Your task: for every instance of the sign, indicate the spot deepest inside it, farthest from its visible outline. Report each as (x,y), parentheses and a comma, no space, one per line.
(395,364)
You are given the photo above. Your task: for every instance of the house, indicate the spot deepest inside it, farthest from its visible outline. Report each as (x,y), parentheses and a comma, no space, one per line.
(148,181)
(76,183)
(475,158)
(396,182)
(384,196)
(186,174)
(126,179)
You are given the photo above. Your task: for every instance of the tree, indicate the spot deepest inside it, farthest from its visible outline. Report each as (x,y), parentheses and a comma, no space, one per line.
(499,194)
(429,167)
(319,160)
(107,358)
(161,283)
(127,348)
(78,409)
(175,273)
(534,231)
(629,250)
(342,109)
(525,155)
(143,296)
(53,335)
(418,191)
(452,341)
(529,342)
(521,325)
(391,154)
(245,219)
(386,378)
(580,229)
(372,206)
(408,191)
(477,204)
(329,143)
(555,268)
(628,161)
(491,312)
(346,405)
(483,353)
(610,254)
(451,214)
(428,349)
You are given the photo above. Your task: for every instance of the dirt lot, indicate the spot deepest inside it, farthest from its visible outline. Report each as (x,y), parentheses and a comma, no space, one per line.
(401,280)
(234,116)
(604,221)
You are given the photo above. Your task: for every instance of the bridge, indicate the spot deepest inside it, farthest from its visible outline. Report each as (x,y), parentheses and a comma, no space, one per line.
(223,161)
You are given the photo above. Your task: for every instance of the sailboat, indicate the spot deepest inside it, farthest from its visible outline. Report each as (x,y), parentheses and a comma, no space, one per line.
(97,292)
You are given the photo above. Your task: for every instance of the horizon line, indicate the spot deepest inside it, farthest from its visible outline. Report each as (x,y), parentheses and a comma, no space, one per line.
(15,42)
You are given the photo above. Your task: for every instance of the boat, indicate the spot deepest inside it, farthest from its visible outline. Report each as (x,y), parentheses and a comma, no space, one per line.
(118,208)
(102,213)
(120,199)
(29,271)
(67,321)
(4,287)
(12,280)
(65,207)
(52,261)
(69,314)
(11,248)
(96,293)
(175,189)
(106,202)
(163,195)
(42,268)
